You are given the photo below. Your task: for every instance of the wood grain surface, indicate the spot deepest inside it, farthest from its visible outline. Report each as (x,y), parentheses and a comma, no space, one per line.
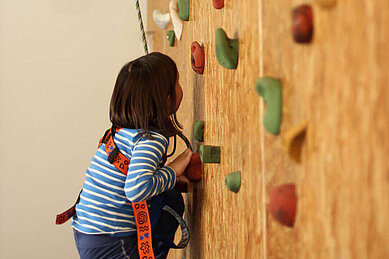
(337,83)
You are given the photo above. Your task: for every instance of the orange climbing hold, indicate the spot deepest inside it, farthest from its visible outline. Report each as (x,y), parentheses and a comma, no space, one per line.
(193,171)
(294,140)
(218,4)
(283,203)
(197,58)
(302,24)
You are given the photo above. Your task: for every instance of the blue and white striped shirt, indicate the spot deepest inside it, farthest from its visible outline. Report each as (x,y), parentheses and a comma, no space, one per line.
(105,202)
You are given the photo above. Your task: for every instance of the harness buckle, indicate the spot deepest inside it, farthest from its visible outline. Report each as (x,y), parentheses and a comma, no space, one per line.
(105,136)
(112,155)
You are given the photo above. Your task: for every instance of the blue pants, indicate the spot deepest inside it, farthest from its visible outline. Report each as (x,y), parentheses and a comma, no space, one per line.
(108,247)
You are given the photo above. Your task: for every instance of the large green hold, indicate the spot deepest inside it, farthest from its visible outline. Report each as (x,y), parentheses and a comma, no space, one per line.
(227,50)
(170,37)
(270,89)
(198,130)
(183,7)
(209,154)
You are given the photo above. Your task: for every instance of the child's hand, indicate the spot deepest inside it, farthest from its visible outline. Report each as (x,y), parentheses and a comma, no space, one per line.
(181,162)
(182,179)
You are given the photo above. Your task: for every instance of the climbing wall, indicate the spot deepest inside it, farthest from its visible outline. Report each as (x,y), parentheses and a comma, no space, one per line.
(336,84)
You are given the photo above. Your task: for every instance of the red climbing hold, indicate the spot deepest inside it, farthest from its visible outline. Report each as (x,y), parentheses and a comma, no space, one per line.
(193,171)
(197,58)
(302,24)
(283,203)
(218,4)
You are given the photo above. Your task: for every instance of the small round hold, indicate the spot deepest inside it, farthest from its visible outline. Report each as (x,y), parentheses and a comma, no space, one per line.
(302,24)
(197,58)
(233,181)
(218,4)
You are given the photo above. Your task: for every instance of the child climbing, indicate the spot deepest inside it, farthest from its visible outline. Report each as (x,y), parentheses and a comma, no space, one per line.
(127,188)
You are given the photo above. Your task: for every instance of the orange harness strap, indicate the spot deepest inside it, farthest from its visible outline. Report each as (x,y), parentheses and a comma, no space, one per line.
(143,228)
(65,216)
(115,157)
(141,212)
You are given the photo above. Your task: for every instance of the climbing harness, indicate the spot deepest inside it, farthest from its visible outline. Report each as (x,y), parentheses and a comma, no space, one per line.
(141,213)
(143,217)
(65,216)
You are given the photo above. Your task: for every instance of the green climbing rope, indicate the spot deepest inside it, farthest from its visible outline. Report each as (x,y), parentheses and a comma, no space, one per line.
(142,30)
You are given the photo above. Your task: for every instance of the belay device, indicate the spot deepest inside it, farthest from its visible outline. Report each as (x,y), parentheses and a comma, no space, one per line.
(144,225)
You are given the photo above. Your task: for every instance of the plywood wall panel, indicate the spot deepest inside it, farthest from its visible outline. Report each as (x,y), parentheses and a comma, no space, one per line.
(223,224)
(338,84)
(335,88)
(281,60)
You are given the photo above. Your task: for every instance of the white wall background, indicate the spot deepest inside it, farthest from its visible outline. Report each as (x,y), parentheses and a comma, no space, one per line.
(58,64)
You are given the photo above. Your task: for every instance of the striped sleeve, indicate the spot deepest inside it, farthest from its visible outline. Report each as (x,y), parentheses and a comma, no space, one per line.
(144,178)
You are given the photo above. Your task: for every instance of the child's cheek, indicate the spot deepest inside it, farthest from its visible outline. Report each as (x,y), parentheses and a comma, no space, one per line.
(179,95)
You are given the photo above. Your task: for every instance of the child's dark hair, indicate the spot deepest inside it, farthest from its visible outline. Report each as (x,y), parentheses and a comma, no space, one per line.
(140,97)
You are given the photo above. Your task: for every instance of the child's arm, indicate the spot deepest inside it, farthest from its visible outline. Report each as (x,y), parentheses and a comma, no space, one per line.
(144,178)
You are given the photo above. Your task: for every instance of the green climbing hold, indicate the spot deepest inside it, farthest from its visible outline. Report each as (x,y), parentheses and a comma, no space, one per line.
(270,89)
(227,50)
(233,181)
(170,37)
(198,130)
(183,7)
(209,154)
